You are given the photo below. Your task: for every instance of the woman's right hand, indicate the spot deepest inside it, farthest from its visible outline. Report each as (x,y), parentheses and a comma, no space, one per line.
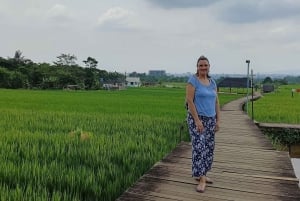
(199,126)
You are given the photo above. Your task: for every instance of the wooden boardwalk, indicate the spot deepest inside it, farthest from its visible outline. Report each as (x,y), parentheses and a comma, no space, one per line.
(245,167)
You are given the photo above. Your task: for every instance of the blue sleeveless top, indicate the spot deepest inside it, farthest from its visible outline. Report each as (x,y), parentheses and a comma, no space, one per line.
(205,96)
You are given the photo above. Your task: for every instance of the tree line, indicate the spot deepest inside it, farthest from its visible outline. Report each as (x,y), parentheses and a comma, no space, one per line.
(19,72)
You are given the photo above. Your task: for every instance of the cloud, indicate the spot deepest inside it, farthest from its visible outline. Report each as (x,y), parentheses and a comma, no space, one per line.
(117,18)
(252,11)
(169,4)
(59,13)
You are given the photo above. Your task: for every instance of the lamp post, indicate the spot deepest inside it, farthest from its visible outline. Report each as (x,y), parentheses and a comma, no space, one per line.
(248,62)
(252,110)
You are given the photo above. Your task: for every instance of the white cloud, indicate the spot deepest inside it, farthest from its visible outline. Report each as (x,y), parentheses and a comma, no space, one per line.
(117,18)
(113,14)
(59,13)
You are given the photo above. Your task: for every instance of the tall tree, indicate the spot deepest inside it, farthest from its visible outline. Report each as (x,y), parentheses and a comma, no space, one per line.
(18,56)
(267,80)
(18,59)
(66,60)
(90,62)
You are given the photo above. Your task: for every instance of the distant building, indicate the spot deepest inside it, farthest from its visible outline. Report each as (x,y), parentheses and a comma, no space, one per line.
(115,86)
(267,88)
(157,73)
(72,87)
(133,82)
(233,82)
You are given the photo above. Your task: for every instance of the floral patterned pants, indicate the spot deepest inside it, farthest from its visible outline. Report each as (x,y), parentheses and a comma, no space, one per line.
(203,144)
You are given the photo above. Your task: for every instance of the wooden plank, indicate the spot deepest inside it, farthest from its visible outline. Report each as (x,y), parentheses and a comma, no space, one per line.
(246,164)
(270,177)
(279,125)
(180,175)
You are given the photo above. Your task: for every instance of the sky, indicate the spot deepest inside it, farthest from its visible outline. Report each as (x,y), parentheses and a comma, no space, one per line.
(141,35)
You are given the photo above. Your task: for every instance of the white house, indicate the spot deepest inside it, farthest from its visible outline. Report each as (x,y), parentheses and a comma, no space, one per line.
(133,82)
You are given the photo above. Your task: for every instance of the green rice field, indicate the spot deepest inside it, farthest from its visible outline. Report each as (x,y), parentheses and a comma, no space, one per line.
(278,106)
(85,145)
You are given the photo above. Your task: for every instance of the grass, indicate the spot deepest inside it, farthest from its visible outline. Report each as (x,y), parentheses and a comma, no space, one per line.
(278,106)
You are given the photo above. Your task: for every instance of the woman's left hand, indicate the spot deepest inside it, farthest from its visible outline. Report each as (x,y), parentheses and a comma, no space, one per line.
(217,128)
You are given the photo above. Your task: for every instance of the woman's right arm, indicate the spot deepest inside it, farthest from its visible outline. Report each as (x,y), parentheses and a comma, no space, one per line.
(190,94)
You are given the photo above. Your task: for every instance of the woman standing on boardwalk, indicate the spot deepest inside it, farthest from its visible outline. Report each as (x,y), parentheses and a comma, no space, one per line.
(203,120)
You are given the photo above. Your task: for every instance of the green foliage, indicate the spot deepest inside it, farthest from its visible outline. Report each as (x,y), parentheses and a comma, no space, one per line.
(90,62)
(12,79)
(292,79)
(283,136)
(267,80)
(4,77)
(19,72)
(81,145)
(66,60)
(278,106)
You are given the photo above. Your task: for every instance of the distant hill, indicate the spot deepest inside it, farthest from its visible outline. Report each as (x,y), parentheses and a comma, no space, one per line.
(292,72)
(272,74)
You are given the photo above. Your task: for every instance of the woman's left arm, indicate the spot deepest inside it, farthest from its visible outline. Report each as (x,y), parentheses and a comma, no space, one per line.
(217,112)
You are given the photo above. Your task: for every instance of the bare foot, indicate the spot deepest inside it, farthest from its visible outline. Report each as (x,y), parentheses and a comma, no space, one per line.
(208,180)
(201,186)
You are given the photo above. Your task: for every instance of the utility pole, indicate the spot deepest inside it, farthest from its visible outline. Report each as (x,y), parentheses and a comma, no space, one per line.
(248,62)
(252,85)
